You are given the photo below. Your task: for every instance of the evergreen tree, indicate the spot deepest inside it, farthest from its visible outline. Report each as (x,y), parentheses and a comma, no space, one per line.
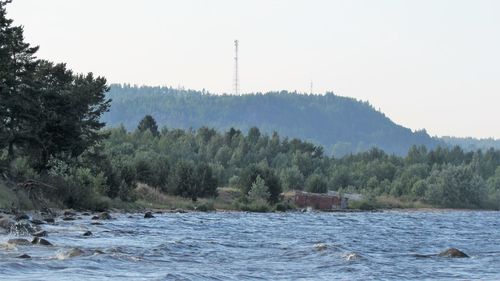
(148,123)
(17,67)
(259,190)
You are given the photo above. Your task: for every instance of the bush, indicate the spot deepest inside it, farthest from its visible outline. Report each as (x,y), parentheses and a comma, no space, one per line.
(258,191)
(284,206)
(364,205)
(258,206)
(205,207)
(250,174)
(21,169)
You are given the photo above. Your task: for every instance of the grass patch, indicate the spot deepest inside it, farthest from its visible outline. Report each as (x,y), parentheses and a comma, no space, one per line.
(11,197)
(389,202)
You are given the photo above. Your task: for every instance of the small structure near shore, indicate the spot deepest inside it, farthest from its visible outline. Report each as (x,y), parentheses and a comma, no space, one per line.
(320,201)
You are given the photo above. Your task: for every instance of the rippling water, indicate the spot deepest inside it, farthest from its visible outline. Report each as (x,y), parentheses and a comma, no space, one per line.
(277,246)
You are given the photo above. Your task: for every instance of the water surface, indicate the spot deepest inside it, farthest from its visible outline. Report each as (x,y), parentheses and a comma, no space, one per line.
(276,246)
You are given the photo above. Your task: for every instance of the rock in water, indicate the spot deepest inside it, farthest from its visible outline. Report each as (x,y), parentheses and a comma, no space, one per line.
(19,228)
(41,241)
(49,220)
(105,216)
(352,256)
(87,233)
(69,213)
(37,222)
(19,241)
(6,223)
(24,256)
(22,216)
(68,219)
(41,233)
(148,215)
(453,253)
(320,247)
(73,252)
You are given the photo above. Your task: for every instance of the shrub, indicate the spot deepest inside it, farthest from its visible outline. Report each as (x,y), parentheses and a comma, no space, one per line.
(284,206)
(258,191)
(206,207)
(21,169)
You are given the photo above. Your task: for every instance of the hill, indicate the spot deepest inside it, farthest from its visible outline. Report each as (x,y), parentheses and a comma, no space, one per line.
(472,144)
(340,124)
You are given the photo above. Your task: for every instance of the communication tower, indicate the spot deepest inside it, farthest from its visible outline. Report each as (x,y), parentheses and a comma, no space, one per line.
(236,78)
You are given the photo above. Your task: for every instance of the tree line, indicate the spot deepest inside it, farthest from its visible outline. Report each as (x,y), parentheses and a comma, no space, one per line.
(51,133)
(342,125)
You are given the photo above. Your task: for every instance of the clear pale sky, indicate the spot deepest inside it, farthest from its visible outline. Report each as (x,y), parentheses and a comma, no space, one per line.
(425,64)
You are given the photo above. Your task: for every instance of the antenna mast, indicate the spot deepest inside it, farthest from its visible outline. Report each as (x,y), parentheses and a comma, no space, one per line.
(236,82)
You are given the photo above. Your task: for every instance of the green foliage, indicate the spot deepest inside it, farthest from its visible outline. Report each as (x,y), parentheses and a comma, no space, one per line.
(365,205)
(194,181)
(46,110)
(148,123)
(292,178)
(352,124)
(315,183)
(456,186)
(258,191)
(206,207)
(20,168)
(250,174)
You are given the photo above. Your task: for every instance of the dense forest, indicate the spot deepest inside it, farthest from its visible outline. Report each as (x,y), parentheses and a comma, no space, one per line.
(341,125)
(441,177)
(56,151)
(472,144)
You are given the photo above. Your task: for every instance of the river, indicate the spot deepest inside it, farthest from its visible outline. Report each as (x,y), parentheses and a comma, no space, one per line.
(390,245)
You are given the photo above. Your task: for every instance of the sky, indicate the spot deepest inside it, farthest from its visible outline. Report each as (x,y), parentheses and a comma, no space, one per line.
(432,64)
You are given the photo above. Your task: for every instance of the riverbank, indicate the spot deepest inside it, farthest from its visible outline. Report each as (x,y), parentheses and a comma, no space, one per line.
(13,199)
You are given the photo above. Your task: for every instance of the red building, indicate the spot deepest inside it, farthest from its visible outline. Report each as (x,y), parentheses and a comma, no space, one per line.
(319,201)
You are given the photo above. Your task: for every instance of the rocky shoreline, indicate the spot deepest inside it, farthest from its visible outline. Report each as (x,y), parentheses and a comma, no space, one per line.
(27,228)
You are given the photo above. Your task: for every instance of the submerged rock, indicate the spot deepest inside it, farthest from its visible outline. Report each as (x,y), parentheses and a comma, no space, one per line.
(41,233)
(352,256)
(102,216)
(37,222)
(320,247)
(68,219)
(41,241)
(85,214)
(24,256)
(148,215)
(71,253)
(105,216)
(18,228)
(19,241)
(6,223)
(69,213)
(95,223)
(50,220)
(22,216)
(87,233)
(453,253)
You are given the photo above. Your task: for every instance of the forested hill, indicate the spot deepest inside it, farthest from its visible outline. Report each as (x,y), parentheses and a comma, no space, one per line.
(472,144)
(340,124)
